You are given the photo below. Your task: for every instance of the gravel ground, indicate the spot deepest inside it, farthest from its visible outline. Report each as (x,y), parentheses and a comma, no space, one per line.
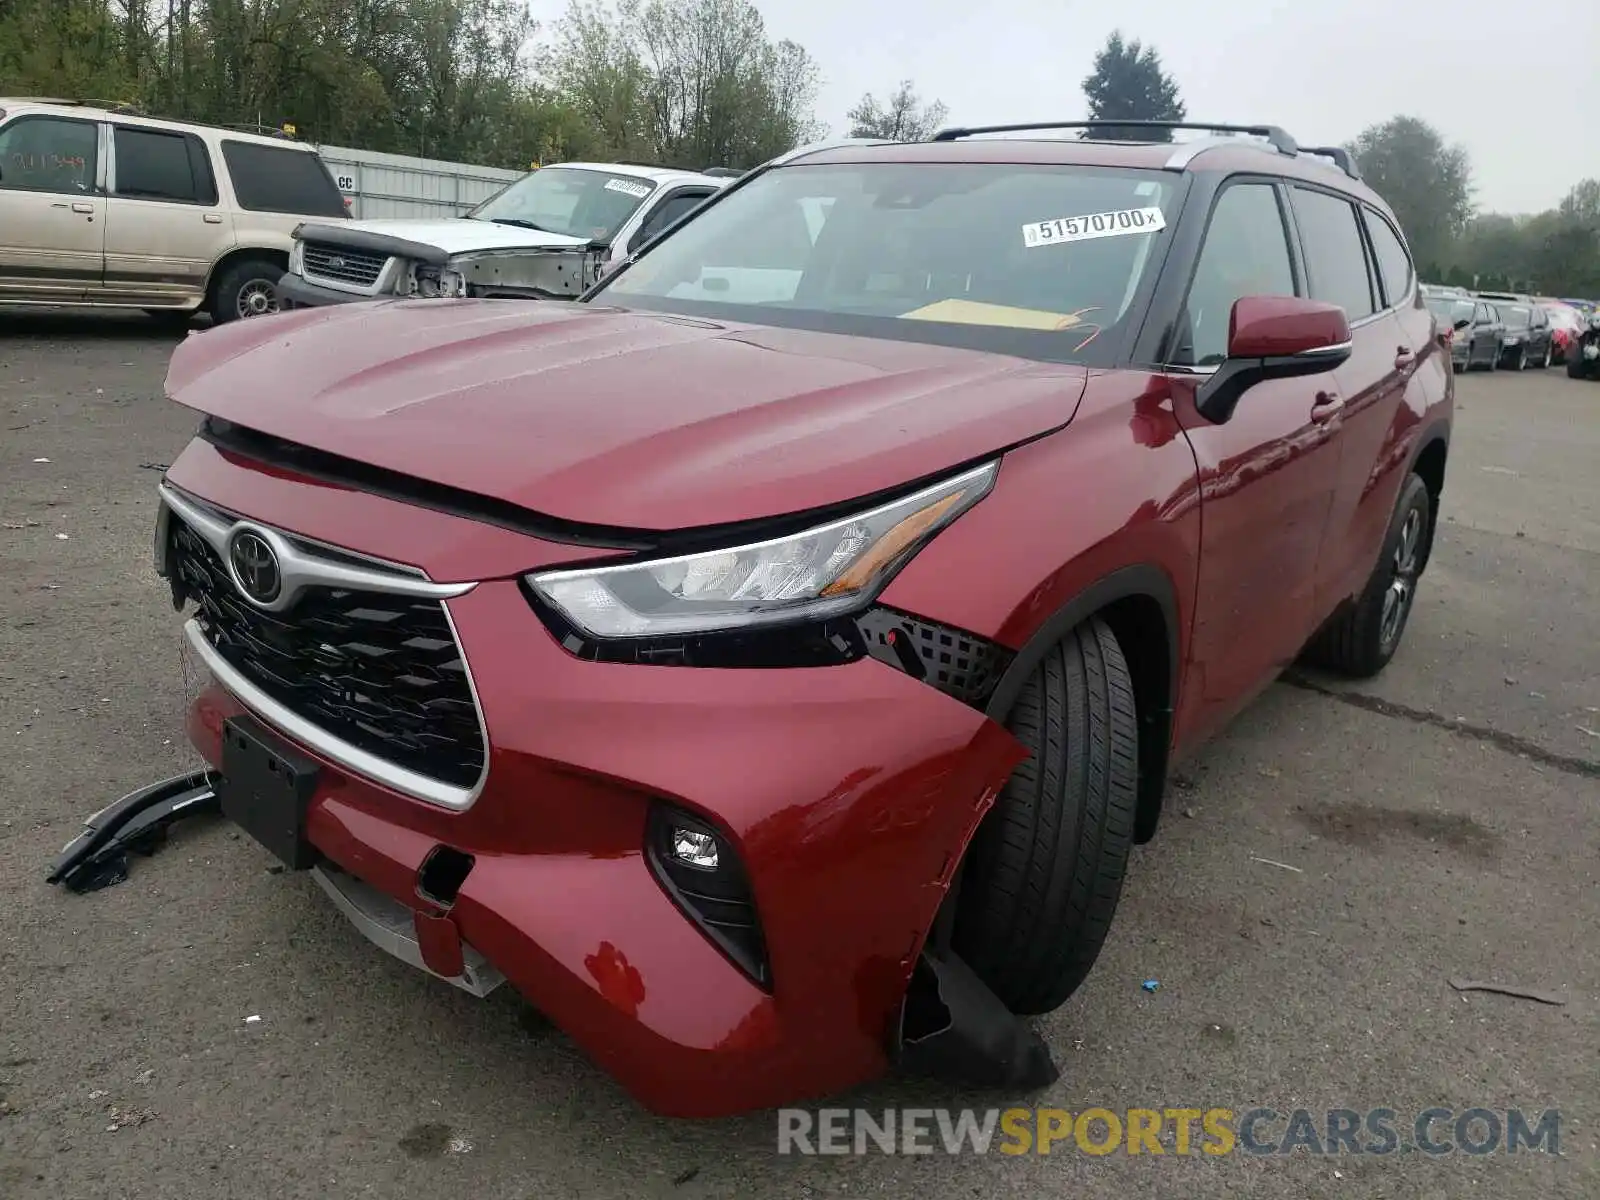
(1441,822)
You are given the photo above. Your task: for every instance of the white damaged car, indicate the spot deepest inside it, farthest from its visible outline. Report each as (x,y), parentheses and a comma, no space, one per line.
(547,236)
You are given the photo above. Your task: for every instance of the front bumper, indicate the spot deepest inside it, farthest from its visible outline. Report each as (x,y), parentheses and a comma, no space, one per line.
(848,793)
(294,291)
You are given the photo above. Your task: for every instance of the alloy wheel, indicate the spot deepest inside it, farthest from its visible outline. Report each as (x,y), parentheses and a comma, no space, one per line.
(1403,579)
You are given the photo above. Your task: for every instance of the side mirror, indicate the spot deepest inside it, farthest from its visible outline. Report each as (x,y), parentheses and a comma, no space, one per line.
(1274,337)
(1463,323)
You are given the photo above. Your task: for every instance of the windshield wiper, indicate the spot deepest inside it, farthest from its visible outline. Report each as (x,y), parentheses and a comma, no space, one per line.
(520,224)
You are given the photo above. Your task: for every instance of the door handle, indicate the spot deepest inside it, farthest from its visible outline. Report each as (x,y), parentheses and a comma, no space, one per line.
(1403,358)
(82,206)
(212,219)
(1327,407)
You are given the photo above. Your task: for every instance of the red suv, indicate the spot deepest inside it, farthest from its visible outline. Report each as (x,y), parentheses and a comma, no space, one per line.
(766,663)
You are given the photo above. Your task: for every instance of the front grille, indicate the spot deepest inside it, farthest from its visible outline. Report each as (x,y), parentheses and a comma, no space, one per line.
(379,671)
(338,264)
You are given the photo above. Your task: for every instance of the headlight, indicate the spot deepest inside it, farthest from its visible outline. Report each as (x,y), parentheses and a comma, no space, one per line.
(297,258)
(812,575)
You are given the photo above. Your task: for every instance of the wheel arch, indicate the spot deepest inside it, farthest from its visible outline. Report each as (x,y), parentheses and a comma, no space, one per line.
(1432,454)
(1140,604)
(239,254)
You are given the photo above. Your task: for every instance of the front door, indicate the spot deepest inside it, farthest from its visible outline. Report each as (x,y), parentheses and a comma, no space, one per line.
(1267,474)
(52,215)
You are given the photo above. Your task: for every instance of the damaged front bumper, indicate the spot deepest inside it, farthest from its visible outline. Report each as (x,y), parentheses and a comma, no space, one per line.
(137,823)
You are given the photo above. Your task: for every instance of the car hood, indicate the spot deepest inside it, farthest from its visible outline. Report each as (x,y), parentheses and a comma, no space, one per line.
(639,421)
(459,235)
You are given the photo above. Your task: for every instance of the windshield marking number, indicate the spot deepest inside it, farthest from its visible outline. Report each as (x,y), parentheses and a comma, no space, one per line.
(1118,223)
(628,188)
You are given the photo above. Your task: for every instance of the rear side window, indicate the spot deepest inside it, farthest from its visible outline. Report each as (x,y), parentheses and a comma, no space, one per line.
(155,165)
(267,179)
(1336,259)
(1246,253)
(1394,264)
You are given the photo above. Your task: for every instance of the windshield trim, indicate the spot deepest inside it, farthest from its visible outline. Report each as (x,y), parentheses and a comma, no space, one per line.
(1032,345)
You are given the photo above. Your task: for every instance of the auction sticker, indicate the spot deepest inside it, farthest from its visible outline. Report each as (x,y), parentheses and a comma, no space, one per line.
(1119,223)
(629,187)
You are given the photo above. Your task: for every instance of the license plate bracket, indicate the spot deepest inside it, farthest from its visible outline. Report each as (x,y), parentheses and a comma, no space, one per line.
(266,788)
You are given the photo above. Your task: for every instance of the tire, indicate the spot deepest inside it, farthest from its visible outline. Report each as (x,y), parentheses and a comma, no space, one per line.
(1544,363)
(1521,363)
(1044,871)
(1361,638)
(1575,363)
(245,289)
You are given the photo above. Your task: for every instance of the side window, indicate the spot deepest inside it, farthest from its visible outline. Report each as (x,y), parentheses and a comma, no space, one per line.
(155,165)
(668,213)
(1246,253)
(1394,264)
(1336,260)
(270,179)
(49,154)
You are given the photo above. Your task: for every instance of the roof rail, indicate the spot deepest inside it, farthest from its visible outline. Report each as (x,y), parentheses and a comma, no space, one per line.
(1281,141)
(1340,156)
(789,156)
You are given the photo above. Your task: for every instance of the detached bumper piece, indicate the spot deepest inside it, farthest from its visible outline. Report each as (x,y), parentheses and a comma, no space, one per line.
(953,1028)
(137,823)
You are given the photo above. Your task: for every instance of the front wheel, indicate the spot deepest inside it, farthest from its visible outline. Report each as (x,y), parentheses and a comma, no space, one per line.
(1521,362)
(1362,637)
(248,288)
(1544,364)
(1044,871)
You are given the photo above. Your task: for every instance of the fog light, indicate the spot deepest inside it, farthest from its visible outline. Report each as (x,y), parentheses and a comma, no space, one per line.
(695,848)
(698,866)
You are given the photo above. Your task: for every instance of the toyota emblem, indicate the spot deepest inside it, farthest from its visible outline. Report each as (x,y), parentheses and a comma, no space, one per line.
(255,567)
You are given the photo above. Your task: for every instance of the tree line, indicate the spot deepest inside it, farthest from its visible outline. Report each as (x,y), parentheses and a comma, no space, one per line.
(690,83)
(682,82)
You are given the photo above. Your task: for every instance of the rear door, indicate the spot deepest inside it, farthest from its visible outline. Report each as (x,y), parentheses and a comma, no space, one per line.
(52,210)
(1341,271)
(1268,473)
(164,225)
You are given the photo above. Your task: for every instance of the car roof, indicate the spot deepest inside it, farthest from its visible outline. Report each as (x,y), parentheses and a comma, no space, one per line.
(658,175)
(1221,155)
(104,110)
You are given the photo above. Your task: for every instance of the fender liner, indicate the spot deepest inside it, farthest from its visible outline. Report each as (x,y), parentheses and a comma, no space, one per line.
(1143,581)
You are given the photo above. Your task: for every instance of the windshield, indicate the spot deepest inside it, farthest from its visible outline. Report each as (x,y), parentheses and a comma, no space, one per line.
(1449,310)
(1515,314)
(1038,261)
(570,201)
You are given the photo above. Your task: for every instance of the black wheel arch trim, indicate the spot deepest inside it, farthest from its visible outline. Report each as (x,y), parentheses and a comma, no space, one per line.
(1142,581)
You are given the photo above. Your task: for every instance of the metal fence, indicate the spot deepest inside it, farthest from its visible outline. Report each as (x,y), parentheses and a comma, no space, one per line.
(395,185)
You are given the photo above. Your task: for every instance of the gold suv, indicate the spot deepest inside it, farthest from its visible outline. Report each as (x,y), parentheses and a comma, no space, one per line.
(102,207)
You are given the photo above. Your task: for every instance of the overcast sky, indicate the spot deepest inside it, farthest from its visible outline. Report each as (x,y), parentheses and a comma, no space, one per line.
(1505,79)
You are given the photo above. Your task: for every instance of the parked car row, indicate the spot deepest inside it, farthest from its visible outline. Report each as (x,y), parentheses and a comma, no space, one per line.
(1495,330)
(108,207)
